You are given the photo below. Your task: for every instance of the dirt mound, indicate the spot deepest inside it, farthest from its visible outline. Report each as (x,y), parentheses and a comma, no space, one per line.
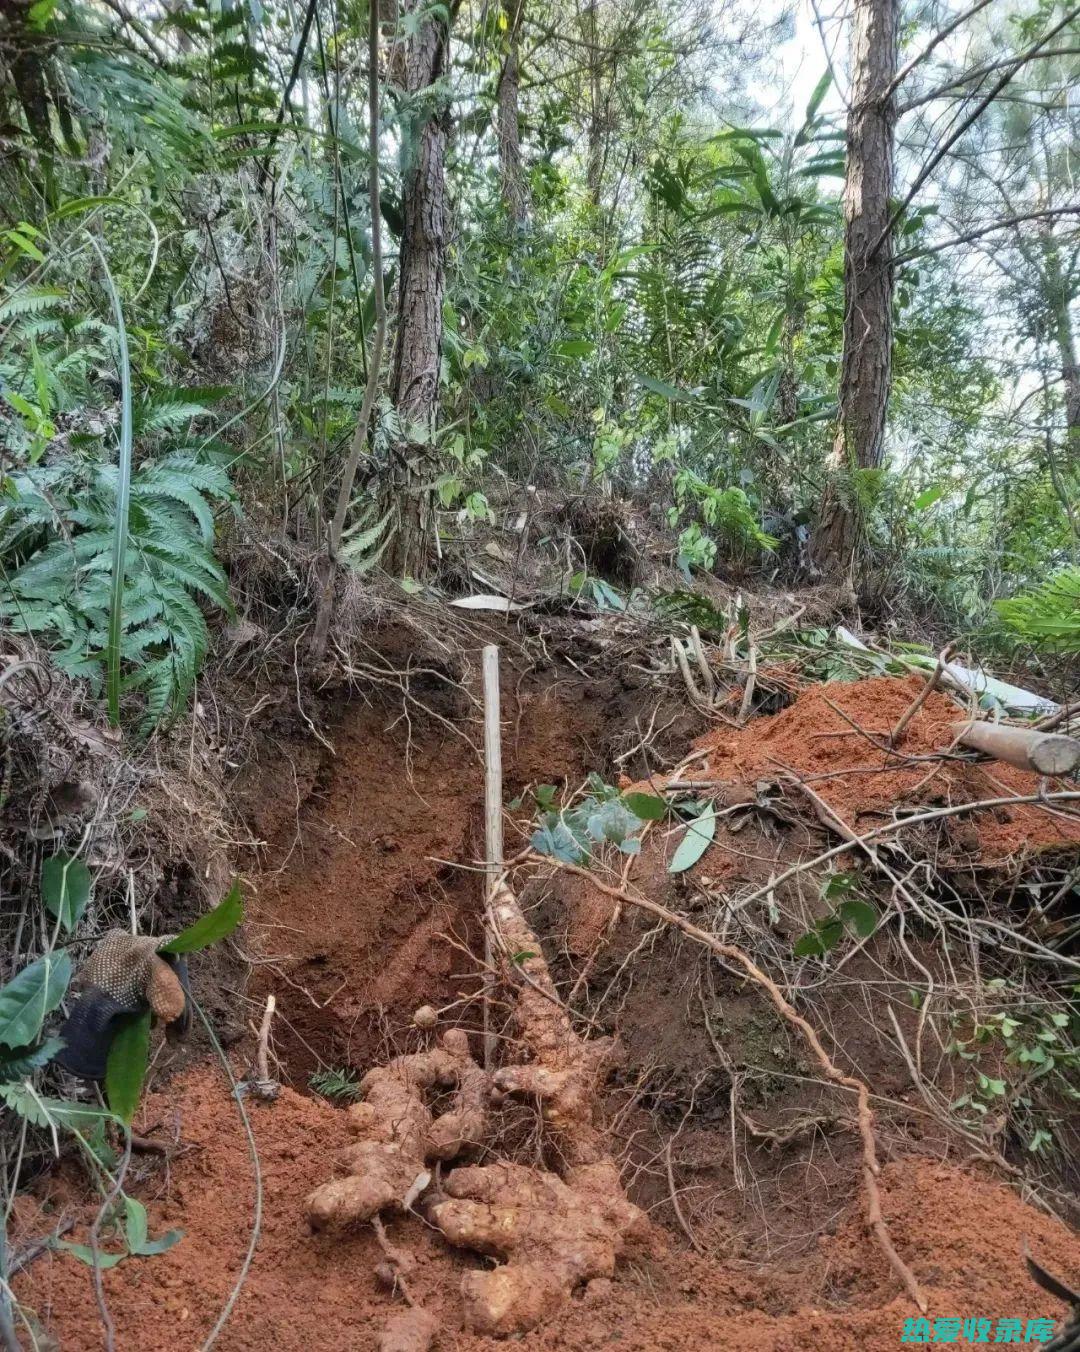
(827,738)
(962,1232)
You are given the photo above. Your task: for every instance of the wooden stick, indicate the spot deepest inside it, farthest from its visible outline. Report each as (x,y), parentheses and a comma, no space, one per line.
(1044,753)
(262,1058)
(493,828)
(748,692)
(921,698)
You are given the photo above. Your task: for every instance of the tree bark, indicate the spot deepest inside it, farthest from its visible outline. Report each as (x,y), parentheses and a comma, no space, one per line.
(511,176)
(414,386)
(866,371)
(596,153)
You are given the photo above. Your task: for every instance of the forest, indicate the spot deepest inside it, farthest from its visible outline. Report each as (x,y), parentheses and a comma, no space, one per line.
(540,644)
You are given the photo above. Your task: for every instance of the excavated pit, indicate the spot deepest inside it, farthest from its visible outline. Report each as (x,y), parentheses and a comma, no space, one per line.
(363,905)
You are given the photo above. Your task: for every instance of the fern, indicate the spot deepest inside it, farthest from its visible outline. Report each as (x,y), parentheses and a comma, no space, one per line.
(56,529)
(1049,615)
(30,300)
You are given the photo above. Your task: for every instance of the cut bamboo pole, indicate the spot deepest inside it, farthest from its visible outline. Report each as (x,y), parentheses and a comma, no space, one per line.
(1044,753)
(493,826)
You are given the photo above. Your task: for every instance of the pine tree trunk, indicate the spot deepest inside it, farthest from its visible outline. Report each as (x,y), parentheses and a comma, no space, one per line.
(414,384)
(511,175)
(595,155)
(868,279)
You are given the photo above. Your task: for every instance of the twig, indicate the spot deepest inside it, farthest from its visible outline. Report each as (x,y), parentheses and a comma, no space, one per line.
(399,1263)
(786,623)
(256,1169)
(871,1167)
(1065,795)
(265,1087)
(924,694)
(1052,721)
(703,666)
(699,701)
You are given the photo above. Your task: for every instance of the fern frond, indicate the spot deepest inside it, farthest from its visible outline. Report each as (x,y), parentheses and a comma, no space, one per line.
(32,300)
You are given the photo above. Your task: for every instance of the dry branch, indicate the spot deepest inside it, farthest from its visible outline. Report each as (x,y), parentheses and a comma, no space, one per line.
(921,698)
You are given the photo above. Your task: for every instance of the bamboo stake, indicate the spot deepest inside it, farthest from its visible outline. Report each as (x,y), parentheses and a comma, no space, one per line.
(1044,753)
(493,827)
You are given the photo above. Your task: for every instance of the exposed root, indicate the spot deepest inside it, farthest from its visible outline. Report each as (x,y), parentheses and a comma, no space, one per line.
(563,1074)
(551,1232)
(871,1168)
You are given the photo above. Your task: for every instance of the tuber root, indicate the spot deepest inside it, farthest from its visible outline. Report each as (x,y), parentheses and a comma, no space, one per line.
(550,1236)
(398,1135)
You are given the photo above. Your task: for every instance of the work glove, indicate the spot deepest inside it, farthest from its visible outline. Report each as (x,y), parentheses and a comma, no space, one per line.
(124,975)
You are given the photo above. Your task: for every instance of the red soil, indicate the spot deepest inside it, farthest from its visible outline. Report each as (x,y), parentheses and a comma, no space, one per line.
(862,784)
(961,1231)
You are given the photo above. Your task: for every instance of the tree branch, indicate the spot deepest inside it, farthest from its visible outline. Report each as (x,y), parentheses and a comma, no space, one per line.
(977,74)
(984,103)
(971,235)
(931,46)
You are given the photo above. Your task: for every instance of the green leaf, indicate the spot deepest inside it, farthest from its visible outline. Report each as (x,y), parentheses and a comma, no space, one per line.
(839,885)
(699,836)
(208,929)
(809,945)
(27,246)
(820,90)
(125,1070)
(65,888)
(78,204)
(575,347)
(162,1244)
(136,1227)
(45,1112)
(831,931)
(646,806)
(991,1086)
(556,840)
(29,997)
(661,387)
(23,1061)
(85,1254)
(860,915)
(929,497)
